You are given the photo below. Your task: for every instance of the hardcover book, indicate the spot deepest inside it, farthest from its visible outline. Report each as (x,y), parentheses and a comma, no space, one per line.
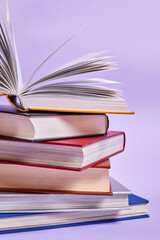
(20,178)
(42,126)
(74,154)
(56,91)
(31,221)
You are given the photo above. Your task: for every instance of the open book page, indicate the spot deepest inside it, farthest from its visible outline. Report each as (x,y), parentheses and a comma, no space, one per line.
(18,69)
(9,60)
(53,53)
(89,81)
(96,86)
(11,80)
(7,69)
(85,64)
(58,90)
(76,89)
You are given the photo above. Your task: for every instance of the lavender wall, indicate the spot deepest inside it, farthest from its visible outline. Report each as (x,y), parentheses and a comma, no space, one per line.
(130,30)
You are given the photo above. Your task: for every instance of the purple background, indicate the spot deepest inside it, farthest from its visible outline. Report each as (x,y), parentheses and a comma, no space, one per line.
(130,30)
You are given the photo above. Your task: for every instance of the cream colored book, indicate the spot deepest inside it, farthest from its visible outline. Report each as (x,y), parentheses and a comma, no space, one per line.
(36,179)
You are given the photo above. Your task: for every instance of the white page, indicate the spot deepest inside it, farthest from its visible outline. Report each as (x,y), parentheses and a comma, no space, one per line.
(73,70)
(20,82)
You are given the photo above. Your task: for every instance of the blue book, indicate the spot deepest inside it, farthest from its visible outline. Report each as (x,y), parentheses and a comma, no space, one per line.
(21,222)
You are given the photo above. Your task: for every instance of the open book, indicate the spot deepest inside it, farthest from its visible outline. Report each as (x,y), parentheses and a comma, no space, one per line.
(56,91)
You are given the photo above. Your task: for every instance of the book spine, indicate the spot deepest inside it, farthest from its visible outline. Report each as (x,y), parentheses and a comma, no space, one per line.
(107,123)
(16,103)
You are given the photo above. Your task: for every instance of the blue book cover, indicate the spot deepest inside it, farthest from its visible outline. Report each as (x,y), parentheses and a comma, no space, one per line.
(133,200)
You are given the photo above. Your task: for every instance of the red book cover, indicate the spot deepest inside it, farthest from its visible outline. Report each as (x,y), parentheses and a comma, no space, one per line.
(75,142)
(85,141)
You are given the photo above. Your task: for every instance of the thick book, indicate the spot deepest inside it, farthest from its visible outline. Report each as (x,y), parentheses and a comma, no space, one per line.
(73,154)
(42,126)
(14,202)
(57,91)
(20,178)
(21,222)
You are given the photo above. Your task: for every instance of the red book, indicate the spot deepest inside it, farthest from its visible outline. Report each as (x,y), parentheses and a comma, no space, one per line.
(73,154)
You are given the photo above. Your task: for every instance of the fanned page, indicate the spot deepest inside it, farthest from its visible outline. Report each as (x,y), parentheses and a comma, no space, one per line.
(58,90)
(8,73)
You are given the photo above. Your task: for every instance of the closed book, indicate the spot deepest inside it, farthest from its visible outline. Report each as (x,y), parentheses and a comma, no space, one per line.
(20,178)
(73,154)
(21,222)
(43,202)
(42,126)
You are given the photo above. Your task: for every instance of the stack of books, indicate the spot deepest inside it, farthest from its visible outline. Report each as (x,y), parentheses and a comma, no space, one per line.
(55,146)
